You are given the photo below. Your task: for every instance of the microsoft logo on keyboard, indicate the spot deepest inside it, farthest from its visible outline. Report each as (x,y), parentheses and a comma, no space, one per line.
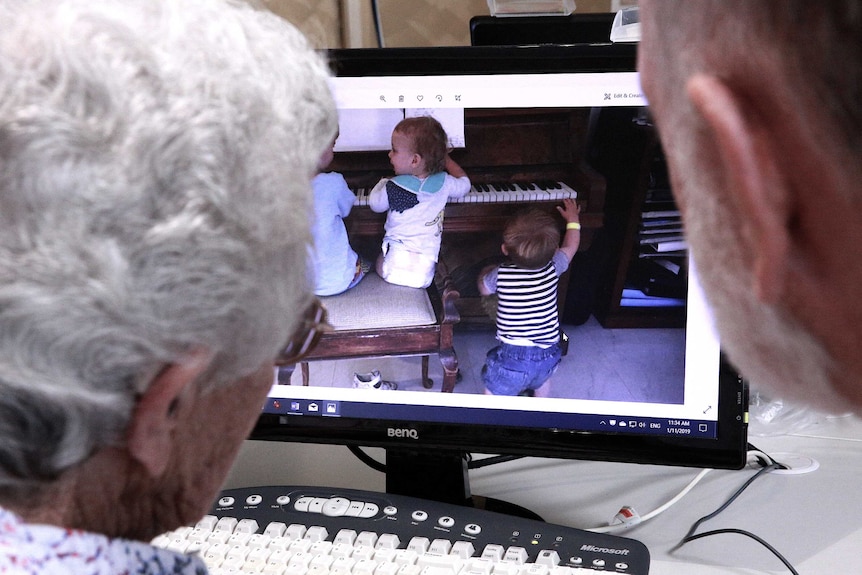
(402,432)
(610,550)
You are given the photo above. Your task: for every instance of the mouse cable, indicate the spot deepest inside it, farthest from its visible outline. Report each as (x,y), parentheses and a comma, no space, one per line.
(627,517)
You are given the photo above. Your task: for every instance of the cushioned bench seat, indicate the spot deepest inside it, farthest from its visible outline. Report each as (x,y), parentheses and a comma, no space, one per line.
(377,319)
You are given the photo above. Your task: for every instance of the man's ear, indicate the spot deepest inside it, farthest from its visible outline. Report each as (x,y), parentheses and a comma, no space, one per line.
(149,437)
(745,158)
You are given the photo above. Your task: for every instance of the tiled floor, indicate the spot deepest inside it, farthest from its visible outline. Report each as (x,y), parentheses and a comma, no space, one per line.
(643,365)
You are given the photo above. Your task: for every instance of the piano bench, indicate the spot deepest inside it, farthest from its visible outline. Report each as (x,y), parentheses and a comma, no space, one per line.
(378,319)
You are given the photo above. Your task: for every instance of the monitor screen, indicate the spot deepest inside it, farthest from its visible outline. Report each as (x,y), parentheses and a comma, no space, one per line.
(574,114)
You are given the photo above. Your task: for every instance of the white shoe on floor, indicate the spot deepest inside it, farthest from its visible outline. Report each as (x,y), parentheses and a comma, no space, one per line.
(372,380)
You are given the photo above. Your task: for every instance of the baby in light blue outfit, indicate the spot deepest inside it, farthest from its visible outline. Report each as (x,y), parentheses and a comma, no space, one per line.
(333,264)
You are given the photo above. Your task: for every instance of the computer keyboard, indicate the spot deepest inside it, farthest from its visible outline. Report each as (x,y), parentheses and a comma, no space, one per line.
(289,530)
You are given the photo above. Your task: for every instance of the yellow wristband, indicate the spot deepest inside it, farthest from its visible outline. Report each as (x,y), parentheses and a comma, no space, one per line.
(573,226)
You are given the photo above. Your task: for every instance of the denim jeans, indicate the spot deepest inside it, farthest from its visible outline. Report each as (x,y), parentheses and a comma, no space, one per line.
(513,369)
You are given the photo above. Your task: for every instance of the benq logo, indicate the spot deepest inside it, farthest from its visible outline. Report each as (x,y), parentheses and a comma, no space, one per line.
(402,432)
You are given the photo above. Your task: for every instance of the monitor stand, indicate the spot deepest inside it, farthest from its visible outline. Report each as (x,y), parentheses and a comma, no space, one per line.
(440,475)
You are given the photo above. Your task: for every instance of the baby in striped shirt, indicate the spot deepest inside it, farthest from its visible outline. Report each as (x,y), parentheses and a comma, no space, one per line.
(528,323)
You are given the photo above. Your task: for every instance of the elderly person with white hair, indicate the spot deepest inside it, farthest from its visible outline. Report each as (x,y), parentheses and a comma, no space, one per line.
(155,160)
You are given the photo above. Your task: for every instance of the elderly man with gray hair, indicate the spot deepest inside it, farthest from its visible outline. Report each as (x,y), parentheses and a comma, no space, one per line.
(155,160)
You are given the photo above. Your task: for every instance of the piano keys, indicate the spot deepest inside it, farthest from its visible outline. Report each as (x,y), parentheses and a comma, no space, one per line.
(499,192)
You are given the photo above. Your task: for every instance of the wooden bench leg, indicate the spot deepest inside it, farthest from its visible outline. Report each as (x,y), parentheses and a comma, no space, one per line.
(304,367)
(427,382)
(284,374)
(450,370)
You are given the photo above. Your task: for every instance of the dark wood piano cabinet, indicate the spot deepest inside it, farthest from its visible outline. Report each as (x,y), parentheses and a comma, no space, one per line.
(510,146)
(628,152)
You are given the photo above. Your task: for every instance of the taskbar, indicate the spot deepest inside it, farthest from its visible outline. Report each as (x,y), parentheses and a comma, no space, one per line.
(586,422)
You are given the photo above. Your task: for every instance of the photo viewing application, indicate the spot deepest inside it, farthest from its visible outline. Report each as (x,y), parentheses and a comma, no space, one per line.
(532,140)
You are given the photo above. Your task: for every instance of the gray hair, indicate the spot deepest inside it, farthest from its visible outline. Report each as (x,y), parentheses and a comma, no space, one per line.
(815,45)
(155,160)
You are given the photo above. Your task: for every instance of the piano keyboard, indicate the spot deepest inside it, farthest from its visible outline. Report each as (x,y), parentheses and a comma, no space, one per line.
(546,191)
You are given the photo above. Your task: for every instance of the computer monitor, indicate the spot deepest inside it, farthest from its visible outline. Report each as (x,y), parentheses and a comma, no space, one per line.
(426,434)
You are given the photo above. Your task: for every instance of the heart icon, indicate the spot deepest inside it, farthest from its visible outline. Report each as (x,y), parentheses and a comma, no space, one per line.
(420,98)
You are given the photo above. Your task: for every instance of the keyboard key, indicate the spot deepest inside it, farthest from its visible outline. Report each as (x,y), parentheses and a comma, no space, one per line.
(388,541)
(280,543)
(226,524)
(535,569)
(478,566)
(246,526)
(364,567)
(279,557)
(363,552)
(317,570)
(347,536)
(385,555)
(506,569)
(410,569)
(405,557)
(257,559)
(321,548)
(368,538)
(419,545)
(316,533)
(295,531)
(440,547)
(517,555)
(342,550)
(548,557)
(207,522)
(336,507)
(463,549)
(493,552)
(451,563)
(386,568)
(275,529)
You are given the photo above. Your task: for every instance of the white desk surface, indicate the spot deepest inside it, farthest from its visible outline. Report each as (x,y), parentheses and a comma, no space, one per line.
(813,519)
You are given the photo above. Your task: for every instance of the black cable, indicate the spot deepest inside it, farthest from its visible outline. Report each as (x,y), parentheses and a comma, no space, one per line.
(476,464)
(726,504)
(751,535)
(763,458)
(367,459)
(378,27)
(471,464)
(691,536)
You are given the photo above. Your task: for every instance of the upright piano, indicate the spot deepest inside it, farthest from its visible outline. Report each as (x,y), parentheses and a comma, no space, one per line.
(515,158)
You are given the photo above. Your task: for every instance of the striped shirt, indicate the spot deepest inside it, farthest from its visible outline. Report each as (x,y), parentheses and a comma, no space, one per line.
(527,311)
